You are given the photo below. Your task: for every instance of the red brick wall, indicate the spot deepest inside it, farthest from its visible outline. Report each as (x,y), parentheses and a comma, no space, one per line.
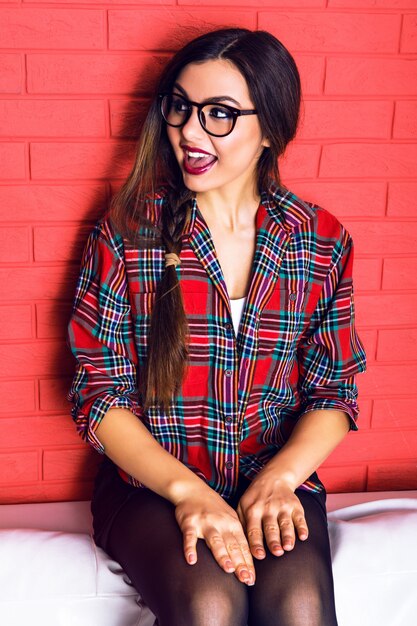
(73,74)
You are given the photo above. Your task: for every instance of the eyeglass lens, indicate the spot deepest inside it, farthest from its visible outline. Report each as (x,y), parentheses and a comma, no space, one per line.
(215,118)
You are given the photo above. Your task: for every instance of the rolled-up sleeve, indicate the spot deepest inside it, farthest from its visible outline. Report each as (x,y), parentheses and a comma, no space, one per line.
(100,336)
(331,353)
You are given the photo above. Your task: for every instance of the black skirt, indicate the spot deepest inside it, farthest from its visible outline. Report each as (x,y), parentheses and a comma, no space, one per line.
(111,493)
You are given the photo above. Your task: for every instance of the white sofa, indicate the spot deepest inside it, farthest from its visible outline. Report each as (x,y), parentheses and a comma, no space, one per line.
(52,574)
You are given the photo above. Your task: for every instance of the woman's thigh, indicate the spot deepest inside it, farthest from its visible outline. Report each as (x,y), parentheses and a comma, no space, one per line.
(296,589)
(147,542)
(141,533)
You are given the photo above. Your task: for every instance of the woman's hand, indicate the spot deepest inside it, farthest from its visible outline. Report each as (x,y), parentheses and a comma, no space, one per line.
(205,515)
(270,510)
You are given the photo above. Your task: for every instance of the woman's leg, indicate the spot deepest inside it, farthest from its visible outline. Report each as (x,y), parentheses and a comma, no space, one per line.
(296,589)
(146,540)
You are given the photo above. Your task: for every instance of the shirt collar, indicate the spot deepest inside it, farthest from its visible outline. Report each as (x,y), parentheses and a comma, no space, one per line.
(282,206)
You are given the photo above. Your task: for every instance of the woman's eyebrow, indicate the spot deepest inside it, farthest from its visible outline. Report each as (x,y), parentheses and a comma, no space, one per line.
(214,99)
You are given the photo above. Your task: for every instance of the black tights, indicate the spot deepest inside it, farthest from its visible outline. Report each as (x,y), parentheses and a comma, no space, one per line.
(295,589)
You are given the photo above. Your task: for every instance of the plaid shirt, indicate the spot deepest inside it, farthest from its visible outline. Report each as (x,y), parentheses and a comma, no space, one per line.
(296,350)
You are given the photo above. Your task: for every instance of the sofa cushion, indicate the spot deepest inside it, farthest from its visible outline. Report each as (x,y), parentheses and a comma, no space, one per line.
(374,555)
(53,578)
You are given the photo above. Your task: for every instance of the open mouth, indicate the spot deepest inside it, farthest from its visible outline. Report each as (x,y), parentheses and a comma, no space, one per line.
(197,161)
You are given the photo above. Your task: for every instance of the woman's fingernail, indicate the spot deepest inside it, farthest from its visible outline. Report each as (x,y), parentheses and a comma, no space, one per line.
(259,552)
(229,566)
(192,559)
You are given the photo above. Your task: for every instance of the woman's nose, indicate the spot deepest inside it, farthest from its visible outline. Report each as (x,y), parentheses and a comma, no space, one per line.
(192,127)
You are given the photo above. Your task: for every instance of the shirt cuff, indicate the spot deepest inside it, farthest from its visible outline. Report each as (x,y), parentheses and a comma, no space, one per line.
(99,408)
(351,410)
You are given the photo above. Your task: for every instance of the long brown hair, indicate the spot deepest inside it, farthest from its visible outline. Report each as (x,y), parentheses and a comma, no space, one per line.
(274,85)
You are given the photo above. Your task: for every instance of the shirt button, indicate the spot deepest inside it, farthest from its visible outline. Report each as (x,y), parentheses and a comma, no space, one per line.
(228,419)
(228,326)
(229,465)
(293,296)
(228,373)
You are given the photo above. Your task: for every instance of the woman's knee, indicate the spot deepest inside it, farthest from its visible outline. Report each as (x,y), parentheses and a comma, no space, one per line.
(207,605)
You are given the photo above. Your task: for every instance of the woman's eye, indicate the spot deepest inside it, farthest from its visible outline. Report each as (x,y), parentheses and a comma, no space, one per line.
(220,113)
(179,106)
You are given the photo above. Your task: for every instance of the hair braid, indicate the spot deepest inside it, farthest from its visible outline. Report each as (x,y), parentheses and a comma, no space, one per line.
(168,333)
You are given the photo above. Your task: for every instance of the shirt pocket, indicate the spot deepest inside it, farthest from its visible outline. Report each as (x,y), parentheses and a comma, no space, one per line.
(282,321)
(199,346)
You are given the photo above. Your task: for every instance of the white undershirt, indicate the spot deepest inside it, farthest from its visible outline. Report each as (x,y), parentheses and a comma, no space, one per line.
(237,309)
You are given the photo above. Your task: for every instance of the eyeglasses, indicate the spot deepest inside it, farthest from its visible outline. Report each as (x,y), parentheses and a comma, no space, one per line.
(216,119)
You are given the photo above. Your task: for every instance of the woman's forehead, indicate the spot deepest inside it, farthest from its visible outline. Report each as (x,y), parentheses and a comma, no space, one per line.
(214,78)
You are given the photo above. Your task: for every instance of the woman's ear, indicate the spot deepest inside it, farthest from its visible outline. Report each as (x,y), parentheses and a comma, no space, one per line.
(266,143)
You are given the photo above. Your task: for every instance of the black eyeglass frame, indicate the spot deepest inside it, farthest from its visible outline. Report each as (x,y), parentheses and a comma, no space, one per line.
(199,106)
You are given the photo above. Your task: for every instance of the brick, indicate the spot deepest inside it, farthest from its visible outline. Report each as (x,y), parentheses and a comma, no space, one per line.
(16,321)
(373,4)
(365,160)
(392,476)
(52,394)
(400,273)
(348,479)
(402,199)
(37,203)
(369,199)
(381,310)
(52,320)
(70,464)
(66,161)
(170,29)
(397,344)
(393,380)
(52,28)
(10,73)
(37,283)
(346,119)
(142,2)
(311,69)
(409,33)
(38,431)
(17,396)
(14,244)
(367,273)
(368,446)
(12,161)
(300,160)
(60,243)
(383,236)
(371,76)
(260,3)
(405,120)
(52,118)
(92,73)
(35,358)
(324,31)
(46,492)
(19,466)
(127,117)
(394,413)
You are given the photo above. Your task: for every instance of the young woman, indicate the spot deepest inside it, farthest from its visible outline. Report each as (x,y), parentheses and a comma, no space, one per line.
(213,327)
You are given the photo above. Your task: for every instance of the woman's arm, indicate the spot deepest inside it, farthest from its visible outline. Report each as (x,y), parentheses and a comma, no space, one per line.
(316,434)
(269,508)
(199,510)
(122,435)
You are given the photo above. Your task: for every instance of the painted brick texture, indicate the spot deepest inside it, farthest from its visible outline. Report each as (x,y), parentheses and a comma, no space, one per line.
(75,78)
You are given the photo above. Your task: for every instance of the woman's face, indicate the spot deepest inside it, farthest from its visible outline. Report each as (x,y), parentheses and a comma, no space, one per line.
(228,163)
